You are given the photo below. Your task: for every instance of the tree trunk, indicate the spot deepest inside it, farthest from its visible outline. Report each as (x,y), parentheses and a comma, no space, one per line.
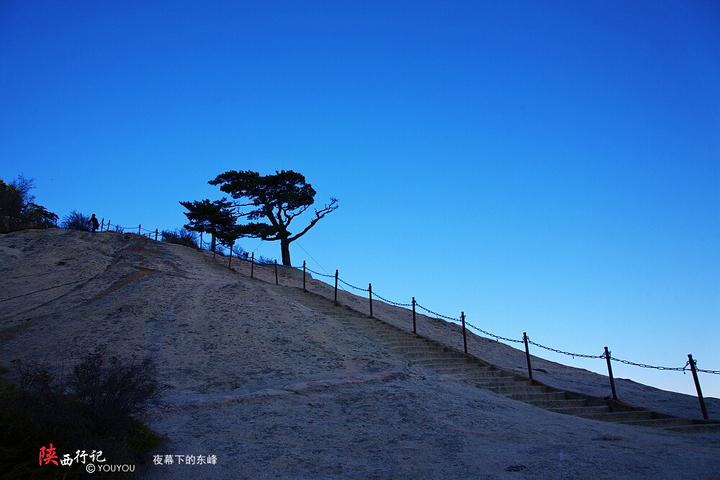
(285,249)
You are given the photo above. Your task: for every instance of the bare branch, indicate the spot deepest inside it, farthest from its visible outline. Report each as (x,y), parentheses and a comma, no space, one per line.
(318,215)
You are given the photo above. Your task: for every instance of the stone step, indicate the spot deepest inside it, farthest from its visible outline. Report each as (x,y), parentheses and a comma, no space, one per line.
(481,376)
(696,428)
(667,422)
(452,369)
(487,382)
(421,348)
(581,410)
(626,416)
(424,354)
(525,397)
(568,403)
(522,387)
(409,341)
(392,336)
(450,360)
(391,332)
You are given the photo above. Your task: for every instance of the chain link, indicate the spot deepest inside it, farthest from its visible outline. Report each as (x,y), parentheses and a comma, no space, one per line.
(318,273)
(353,286)
(714,372)
(581,355)
(391,302)
(643,365)
(437,314)
(498,337)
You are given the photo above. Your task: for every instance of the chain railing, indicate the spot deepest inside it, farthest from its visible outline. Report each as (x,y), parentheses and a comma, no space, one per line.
(605,355)
(501,338)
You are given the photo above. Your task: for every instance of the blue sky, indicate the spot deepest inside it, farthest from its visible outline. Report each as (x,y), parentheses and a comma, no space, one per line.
(549,167)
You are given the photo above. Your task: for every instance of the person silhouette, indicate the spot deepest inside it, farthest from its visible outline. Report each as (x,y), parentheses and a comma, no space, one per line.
(94,223)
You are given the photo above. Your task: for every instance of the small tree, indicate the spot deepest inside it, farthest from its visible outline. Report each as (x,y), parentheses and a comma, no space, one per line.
(17,207)
(39,216)
(228,236)
(278,198)
(211,217)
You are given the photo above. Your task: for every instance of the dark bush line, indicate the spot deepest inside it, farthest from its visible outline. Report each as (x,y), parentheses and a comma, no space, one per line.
(99,406)
(181,237)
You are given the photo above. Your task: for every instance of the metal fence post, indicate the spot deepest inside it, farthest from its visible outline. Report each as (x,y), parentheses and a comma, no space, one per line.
(252,264)
(102,224)
(612,380)
(370,297)
(697,387)
(156,235)
(527,354)
(277,282)
(336,281)
(304,289)
(414,321)
(140,229)
(107,229)
(462,316)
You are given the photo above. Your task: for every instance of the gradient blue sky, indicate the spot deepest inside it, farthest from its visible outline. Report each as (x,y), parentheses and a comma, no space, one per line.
(549,167)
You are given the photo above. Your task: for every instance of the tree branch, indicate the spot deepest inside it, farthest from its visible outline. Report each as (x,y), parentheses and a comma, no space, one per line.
(318,215)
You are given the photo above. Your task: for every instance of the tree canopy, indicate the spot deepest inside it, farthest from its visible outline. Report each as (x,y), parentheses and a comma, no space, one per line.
(215,218)
(277,198)
(18,209)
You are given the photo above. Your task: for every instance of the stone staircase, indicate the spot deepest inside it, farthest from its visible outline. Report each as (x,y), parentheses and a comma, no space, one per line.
(452,364)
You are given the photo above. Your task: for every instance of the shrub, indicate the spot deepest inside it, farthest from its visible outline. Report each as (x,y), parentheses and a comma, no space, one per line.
(264,260)
(76,221)
(99,407)
(181,237)
(240,252)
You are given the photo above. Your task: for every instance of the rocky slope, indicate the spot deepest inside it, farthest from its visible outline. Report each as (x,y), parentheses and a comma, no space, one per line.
(274,383)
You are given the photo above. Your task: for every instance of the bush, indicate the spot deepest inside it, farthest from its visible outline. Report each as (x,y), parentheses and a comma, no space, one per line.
(264,260)
(100,407)
(181,237)
(240,252)
(76,221)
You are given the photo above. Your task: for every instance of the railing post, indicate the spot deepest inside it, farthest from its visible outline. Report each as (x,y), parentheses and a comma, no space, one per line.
(612,380)
(336,282)
(252,264)
(462,316)
(527,354)
(370,298)
(414,321)
(102,224)
(140,229)
(304,289)
(277,282)
(697,387)
(156,235)
(107,229)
